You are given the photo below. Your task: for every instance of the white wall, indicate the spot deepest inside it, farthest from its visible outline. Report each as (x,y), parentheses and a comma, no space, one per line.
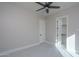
(18,26)
(73,23)
(50,29)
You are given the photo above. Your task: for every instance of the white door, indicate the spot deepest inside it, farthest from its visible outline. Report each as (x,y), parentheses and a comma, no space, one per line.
(42,30)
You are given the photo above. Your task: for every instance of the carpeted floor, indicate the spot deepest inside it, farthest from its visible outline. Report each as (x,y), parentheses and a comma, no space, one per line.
(42,50)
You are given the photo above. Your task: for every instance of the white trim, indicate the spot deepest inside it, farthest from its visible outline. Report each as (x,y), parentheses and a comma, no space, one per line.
(62,50)
(20,48)
(67,18)
(48,42)
(42,31)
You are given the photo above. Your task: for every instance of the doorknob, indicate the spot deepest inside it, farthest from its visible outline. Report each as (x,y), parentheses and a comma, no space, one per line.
(40,34)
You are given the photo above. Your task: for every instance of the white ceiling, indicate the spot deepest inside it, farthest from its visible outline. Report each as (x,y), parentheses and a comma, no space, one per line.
(32,6)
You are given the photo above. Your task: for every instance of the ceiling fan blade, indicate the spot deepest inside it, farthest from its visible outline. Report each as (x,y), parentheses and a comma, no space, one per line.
(46,3)
(40,3)
(40,9)
(47,10)
(54,7)
(49,3)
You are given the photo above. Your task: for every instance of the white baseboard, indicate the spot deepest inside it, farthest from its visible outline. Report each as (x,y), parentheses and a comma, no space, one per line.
(48,42)
(65,54)
(18,49)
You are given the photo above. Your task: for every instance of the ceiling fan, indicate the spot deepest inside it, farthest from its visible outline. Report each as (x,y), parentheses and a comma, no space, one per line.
(47,6)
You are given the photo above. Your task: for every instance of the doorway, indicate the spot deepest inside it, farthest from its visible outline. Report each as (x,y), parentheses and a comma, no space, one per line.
(42,30)
(61,31)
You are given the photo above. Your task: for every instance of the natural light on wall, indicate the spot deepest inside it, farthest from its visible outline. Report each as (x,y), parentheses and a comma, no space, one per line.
(71,44)
(70,50)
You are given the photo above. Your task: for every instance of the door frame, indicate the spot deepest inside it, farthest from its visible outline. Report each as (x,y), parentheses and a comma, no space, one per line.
(42,30)
(67,24)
